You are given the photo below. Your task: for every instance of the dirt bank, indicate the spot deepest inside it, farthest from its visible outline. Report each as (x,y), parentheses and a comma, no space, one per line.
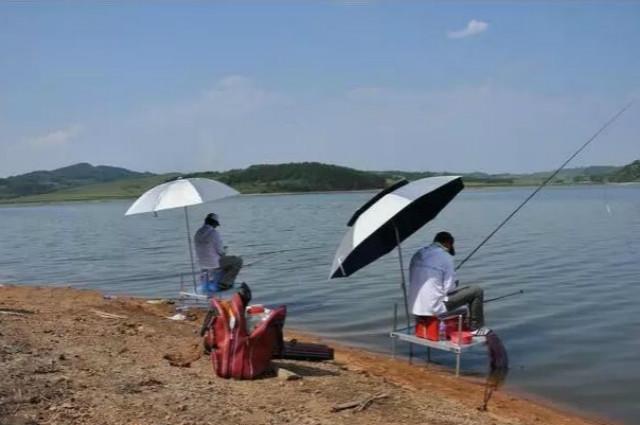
(72,357)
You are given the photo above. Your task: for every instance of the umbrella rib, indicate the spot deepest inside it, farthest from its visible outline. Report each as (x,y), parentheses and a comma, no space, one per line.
(159,199)
(341,267)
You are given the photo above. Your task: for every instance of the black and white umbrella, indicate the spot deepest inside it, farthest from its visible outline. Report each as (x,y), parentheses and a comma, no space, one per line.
(389,218)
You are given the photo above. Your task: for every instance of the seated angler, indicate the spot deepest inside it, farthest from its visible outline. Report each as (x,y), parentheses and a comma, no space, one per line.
(433,288)
(211,253)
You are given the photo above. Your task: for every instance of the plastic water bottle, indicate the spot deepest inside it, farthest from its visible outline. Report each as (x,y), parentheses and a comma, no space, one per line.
(442,331)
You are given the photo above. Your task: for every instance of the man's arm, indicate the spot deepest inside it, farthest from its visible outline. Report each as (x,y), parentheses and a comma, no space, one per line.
(449,281)
(217,244)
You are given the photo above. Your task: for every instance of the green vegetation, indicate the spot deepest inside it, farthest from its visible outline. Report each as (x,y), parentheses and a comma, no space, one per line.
(473,179)
(86,182)
(628,173)
(119,189)
(39,182)
(296,177)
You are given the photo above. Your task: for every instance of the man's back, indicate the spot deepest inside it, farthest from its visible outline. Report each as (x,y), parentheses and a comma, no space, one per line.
(431,277)
(208,245)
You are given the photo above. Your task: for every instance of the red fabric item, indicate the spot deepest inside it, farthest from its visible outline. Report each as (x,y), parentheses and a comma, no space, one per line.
(461,338)
(235,353)
(428,327)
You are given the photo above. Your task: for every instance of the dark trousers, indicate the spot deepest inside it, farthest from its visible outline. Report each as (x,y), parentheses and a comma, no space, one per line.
(472,296)
(230,265)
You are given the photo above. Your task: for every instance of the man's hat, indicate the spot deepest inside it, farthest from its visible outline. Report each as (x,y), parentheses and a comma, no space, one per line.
(443,237)
(212,216)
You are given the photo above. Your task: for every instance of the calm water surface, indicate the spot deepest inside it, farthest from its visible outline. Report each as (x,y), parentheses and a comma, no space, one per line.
(573,337)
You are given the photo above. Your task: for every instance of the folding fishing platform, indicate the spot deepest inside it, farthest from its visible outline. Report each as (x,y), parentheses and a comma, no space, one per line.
(406,334)
(190,298)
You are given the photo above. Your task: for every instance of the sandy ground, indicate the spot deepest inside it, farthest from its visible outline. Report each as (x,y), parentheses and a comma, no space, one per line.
(64,361)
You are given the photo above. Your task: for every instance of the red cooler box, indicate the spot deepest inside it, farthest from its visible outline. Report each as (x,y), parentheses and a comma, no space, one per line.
(427,327)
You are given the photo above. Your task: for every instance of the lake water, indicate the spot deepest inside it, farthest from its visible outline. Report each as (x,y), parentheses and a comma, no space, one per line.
(573,336)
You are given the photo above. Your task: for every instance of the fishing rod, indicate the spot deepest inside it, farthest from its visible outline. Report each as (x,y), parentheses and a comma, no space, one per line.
(259,260)
(504,296)
(544,183)
(145,276)
(287,250)
(269,254)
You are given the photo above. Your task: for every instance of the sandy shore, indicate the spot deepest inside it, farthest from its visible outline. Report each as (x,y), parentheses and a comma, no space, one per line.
(71,357)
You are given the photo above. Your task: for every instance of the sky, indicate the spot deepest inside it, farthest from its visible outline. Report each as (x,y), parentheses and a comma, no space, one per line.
(376,85)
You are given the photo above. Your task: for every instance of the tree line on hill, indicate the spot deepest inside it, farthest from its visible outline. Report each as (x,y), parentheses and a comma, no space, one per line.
(628,173)
(290,177)
(296,177)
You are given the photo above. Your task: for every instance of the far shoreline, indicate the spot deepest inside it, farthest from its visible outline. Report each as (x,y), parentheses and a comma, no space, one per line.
(23,201)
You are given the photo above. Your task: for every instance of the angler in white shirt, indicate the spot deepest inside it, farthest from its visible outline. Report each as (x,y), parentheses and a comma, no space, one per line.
(433,286)
(211,252)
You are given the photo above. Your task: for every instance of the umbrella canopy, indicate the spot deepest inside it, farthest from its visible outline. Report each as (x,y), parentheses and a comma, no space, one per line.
(180,193)
(389,218)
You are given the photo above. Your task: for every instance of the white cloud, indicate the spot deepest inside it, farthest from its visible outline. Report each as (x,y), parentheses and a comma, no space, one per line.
(473,28)
(57,138)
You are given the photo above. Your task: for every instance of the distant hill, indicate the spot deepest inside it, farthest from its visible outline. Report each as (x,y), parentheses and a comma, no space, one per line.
(85,182)
(477,178)
(117,189)
(628,173)
(39,182)
(593,173)
(590,174)
(296,177)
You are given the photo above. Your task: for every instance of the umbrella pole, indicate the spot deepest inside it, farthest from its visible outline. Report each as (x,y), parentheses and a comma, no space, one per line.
(404,284)
(193,268)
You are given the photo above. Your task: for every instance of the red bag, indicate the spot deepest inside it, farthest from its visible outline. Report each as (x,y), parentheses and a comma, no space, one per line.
(234,352)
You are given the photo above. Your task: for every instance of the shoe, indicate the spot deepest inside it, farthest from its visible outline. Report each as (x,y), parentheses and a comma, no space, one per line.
(481,331)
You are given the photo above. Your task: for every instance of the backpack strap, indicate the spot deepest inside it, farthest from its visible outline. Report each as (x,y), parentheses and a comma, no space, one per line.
(208,321)
(238,307)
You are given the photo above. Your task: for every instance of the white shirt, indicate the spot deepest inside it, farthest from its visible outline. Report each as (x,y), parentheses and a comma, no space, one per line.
(209,248)
(431,277)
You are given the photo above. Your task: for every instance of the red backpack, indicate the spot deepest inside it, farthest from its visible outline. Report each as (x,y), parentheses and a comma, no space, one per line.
(234,352)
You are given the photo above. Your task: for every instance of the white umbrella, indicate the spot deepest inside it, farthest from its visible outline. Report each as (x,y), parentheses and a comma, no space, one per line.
(181,193)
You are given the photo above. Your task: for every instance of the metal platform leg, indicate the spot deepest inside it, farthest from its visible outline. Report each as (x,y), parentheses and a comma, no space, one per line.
(393,347)
(395,326)
(459,353)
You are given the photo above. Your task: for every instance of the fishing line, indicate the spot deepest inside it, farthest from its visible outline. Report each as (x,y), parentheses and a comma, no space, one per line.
(544,183)
(145,277)
(259,260)
(605,195)
(611,211)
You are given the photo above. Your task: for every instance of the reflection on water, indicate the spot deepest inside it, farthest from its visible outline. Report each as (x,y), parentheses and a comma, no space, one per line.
(573,336)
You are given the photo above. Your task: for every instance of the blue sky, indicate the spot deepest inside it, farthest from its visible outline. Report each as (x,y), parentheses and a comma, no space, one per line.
(184,86)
